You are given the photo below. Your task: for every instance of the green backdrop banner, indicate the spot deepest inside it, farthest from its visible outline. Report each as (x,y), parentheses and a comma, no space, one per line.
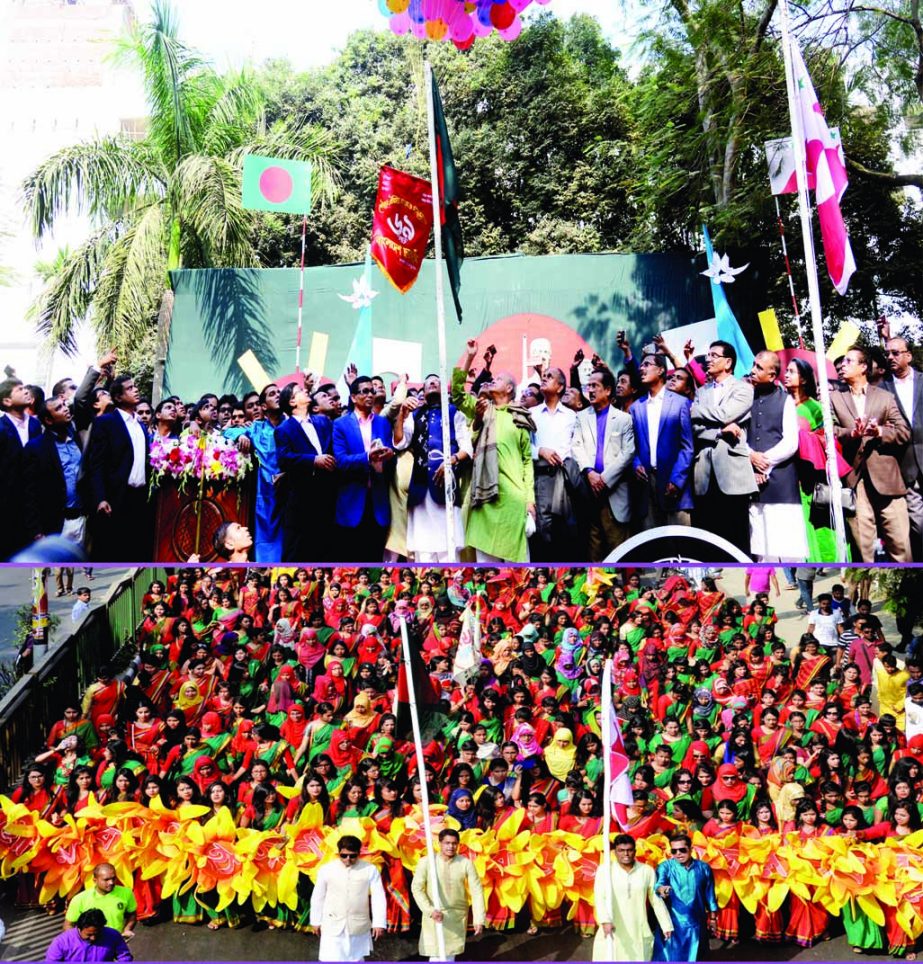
(570,300)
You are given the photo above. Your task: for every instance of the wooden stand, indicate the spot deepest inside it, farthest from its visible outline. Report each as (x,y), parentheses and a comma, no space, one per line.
(175,520)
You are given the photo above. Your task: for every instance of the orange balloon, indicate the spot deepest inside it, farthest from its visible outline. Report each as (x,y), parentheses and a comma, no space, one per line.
(470,7)
(436,29)
(398,6)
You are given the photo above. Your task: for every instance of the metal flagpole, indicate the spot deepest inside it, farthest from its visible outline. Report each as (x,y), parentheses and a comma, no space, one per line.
(304,231)
(448,475)
(607,789)
(788,272)
(424,791)
(810,261)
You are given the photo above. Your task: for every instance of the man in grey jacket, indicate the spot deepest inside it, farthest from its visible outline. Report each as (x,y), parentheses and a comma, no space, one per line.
(724,477)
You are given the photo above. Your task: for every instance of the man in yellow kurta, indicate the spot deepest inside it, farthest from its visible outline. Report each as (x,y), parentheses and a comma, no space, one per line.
(458,885)
(891,683)
(621,907)
(502,488)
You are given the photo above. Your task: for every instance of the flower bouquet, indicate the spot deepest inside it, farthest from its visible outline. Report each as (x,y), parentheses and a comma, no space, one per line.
(209,460)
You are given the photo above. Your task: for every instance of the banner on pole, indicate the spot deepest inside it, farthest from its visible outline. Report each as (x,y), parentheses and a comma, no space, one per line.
(771,333)
(276,184)
(780,156)
(845,338)
(401,225)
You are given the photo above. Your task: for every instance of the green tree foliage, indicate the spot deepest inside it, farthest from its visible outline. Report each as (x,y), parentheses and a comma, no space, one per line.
(168,200)
(539,129)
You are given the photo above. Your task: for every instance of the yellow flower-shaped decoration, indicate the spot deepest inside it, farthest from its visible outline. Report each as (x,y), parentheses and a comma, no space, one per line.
(21,839)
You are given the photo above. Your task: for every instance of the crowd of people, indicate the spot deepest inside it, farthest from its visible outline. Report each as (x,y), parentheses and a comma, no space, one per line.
(255,693)
(562,467)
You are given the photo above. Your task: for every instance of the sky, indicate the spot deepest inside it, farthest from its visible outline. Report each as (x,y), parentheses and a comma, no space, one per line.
(309,34)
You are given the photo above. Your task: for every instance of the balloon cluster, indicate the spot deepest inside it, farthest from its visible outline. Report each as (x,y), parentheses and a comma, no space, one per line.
(457,20)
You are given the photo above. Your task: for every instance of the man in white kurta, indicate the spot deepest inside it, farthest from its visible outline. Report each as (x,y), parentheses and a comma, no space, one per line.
(621,907)
(340,905)
(459,884)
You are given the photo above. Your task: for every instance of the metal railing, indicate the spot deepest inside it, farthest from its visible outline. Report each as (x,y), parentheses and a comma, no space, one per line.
(38,699)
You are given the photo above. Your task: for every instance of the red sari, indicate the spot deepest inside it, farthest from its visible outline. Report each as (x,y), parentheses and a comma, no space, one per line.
(807,919)
(394,878)
(727,925)
(586,868)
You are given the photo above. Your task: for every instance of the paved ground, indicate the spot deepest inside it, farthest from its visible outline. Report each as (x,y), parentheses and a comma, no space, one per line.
(28,934)
(16,589)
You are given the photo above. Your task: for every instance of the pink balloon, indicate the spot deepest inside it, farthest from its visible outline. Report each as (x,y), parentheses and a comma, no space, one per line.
(418,30)
(400,23)
(461,29)
(430,9)
(480,30)
(512,31)
(519,5)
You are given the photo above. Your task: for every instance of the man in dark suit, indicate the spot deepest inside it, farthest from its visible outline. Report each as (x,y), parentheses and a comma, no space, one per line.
(17,428)
(873,433)
(51,470)
(662,417)
(117,476)
(363,448)
(308,495)
(905,383)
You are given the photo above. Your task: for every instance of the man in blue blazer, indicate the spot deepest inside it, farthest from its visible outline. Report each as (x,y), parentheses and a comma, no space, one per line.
(307,490)
(662,417)
(363,448)
(17,429)
(117,475)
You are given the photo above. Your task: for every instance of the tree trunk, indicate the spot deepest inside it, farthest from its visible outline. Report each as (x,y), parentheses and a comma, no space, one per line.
(164,321)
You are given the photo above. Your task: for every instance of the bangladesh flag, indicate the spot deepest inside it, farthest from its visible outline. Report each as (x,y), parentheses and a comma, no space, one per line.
(448,197)
(275,184)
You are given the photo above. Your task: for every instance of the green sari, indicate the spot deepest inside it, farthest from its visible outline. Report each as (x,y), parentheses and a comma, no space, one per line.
(821,539)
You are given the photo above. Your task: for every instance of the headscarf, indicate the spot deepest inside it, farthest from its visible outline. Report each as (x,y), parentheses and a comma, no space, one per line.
(467,818)
(722,791)
(524,737)
(292,731)
(566,666)
(281,694)
(532,664)
(560,754)
(362,714)
(696,746)
(184,702)
(211,724)
(309,648)
(284,633)
(697,708)
(341,750)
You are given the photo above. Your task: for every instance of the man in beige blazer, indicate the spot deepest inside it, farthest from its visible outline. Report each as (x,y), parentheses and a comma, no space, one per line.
(873,433)
(604,448)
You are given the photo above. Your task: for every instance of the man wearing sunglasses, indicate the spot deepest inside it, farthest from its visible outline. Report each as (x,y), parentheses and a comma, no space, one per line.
(340,905)
(688,887)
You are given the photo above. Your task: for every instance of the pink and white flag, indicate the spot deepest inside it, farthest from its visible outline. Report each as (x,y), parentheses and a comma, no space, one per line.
(619,788)
(825,163)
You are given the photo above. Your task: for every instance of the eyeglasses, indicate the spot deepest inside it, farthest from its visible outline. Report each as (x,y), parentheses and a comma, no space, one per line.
(714,354)
(364,391)
(679,850)
(897,351)
(349,856)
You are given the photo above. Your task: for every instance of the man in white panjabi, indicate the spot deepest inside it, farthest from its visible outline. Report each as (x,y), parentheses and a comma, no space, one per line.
(458,884)
(621,907)
(340,905)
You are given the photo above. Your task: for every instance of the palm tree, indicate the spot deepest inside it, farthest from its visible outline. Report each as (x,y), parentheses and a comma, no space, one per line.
(171,199)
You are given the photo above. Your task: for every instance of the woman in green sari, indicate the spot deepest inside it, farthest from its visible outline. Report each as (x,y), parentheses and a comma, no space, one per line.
(801,384)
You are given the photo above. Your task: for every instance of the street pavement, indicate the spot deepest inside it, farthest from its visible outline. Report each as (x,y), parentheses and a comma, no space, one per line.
(29,933)
(16,590)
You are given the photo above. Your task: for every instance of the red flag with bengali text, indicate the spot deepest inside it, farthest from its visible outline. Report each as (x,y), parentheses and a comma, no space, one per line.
(401,225)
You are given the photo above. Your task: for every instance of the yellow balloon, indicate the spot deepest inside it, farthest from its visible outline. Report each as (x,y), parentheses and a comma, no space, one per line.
(470,7)
(398,6)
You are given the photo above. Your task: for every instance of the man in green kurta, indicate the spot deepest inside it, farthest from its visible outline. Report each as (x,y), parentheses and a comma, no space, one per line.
(458,885)
(502,492)
(621,907)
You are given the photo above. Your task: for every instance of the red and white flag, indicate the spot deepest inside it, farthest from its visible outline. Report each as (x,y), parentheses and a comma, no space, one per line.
(619,794)
(825,163)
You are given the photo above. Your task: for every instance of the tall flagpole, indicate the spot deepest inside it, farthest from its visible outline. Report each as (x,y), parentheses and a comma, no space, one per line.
(304,231)
(607,789)
(810,261)
(448,478)
(424,790)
